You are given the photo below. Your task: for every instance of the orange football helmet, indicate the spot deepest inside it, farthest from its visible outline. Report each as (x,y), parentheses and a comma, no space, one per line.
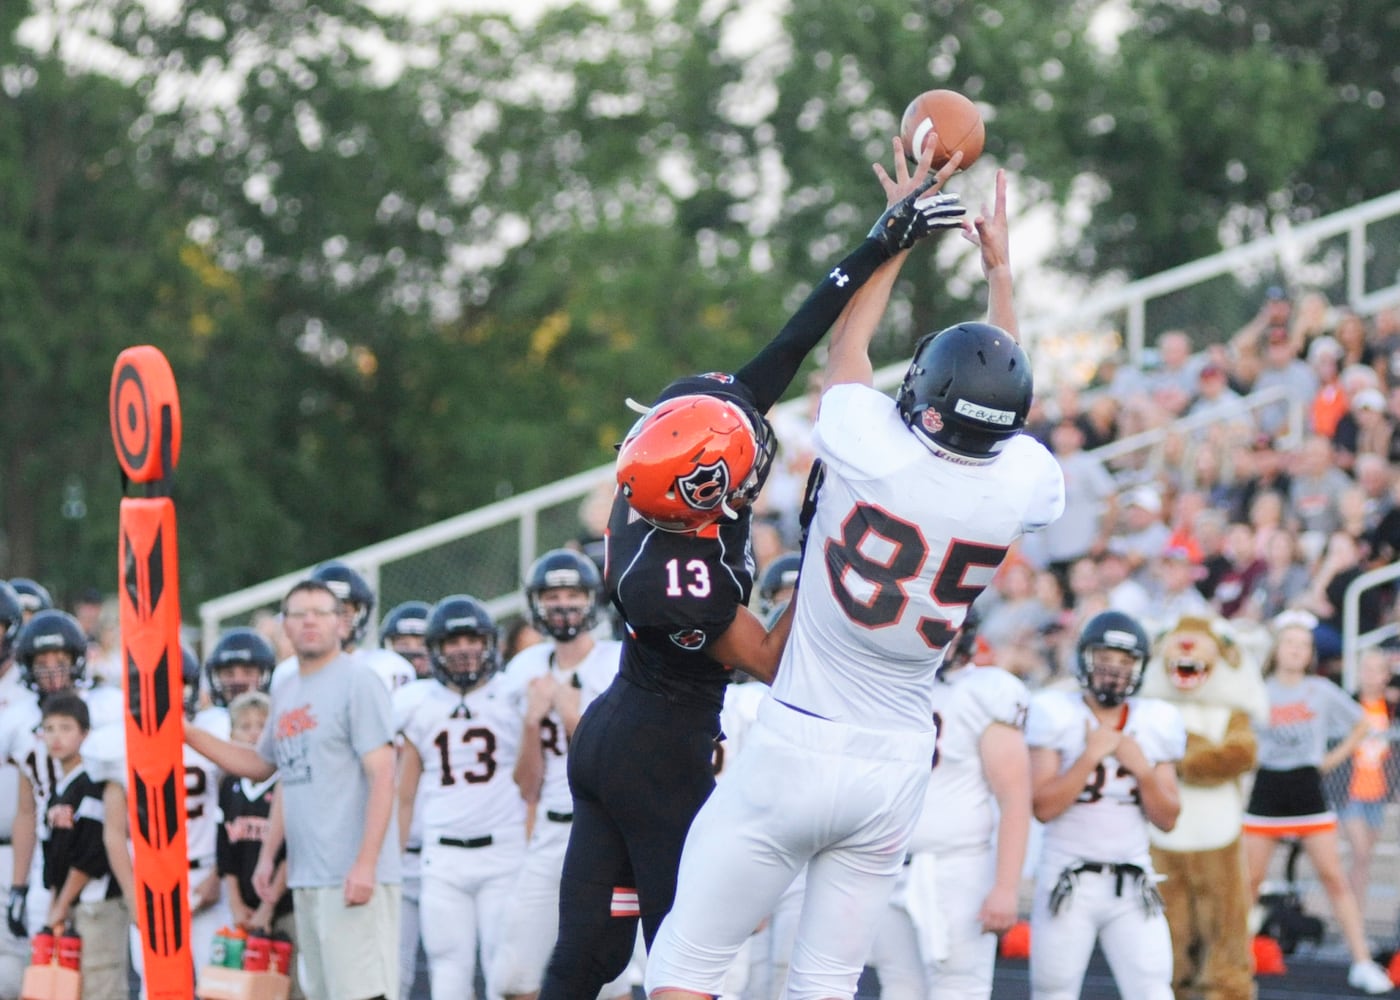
(692,460)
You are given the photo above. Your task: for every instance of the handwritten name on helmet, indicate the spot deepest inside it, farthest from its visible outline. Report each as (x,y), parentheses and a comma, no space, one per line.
(1116,639)
(986,414)
(460,624)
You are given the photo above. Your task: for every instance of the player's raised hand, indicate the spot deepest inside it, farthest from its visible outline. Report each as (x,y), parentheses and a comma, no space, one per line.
(989,230)
(566,699)
(916,207)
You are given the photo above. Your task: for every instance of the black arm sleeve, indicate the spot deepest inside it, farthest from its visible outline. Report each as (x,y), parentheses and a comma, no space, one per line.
(772,370)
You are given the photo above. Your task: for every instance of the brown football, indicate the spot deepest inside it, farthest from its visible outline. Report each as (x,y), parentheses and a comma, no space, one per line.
(950,115)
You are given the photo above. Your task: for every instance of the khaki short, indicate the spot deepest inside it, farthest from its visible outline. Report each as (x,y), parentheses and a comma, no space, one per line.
(348,952)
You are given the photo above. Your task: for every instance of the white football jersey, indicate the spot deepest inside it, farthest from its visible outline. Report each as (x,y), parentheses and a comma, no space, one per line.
(12,689)
(592,677)
(468,747)
(202,777)
(960,811)
(391,668)
(1106,822)
(739,714)
(901,544)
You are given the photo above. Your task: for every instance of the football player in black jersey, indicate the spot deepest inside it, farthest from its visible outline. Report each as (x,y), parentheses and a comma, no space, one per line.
(679,570)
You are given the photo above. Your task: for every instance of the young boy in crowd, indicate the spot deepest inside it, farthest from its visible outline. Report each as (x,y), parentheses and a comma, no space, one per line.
(76,870)
(245,806)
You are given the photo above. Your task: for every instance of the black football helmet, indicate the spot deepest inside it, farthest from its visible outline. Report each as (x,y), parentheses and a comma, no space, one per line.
(967,392)
(33,596)
(49,630)
(563,568)
(461,614)
(239,646)
(1111,630)
(780,574)
(353,590)
(189,678)
(408,618)
(11,618)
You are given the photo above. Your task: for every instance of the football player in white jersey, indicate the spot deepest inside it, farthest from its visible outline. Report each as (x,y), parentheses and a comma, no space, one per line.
(402,632)
(13,950)
(208,909)
(1103,766)
(922,497)
(51,652)
(549,685)
(960,885)
(461,738)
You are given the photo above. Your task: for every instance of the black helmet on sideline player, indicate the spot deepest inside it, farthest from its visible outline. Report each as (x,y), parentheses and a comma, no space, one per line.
(353,591)
(237,647)
(33,596)
(11,619)
(408,618)
(967,392)
(460,615)
(1111,683)
(189,679)
(49,631)
(563,569)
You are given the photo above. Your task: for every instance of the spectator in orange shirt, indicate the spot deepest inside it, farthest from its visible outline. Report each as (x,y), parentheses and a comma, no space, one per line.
(1330,401)
(1363,816)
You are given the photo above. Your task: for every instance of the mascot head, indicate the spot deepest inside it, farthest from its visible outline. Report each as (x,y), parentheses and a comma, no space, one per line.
(1202,660)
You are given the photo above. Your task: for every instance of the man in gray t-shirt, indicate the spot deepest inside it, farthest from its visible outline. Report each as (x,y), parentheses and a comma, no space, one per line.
(329,738)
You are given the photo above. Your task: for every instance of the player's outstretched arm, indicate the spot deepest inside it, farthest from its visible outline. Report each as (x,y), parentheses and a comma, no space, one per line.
(916,210)
(746,645)
(772,370)
(991,233)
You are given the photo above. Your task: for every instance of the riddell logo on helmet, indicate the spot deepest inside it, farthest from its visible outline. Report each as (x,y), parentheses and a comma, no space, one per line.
(986,414)
(705,486)
(932,420)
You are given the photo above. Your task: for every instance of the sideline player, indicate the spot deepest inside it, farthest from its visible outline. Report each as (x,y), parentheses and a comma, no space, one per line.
(837,764)
(963,875)
(209,910)
(460,745)
(550,684)
(1103,766)
(14,951)
(680,571)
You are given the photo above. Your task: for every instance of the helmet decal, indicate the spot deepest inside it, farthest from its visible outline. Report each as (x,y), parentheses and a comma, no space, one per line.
(705,486)
(932,420)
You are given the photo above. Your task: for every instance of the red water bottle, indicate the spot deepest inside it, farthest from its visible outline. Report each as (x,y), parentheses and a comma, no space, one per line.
(280,958)
(41,947)
(70,949)
(257,952)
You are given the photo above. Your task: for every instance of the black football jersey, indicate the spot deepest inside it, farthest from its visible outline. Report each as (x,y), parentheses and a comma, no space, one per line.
(678,592)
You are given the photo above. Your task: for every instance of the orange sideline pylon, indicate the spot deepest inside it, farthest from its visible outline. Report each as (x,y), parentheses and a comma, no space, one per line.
(145,419)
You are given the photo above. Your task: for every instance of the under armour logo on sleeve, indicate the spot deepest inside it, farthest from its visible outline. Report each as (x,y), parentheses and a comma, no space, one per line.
(840,277)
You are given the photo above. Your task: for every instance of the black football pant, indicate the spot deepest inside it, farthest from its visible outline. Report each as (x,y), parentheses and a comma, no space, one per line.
(640,767)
